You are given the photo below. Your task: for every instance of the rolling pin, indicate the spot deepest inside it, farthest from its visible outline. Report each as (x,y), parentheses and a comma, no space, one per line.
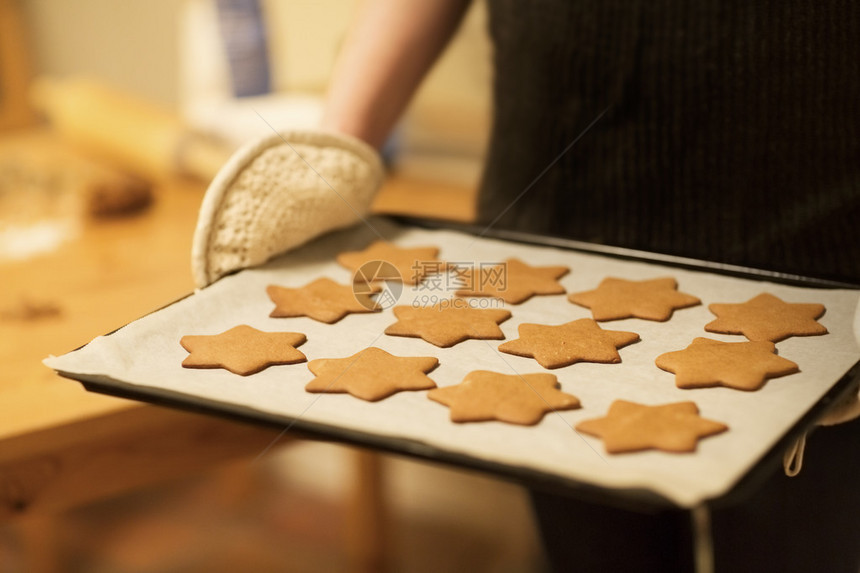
(132,133)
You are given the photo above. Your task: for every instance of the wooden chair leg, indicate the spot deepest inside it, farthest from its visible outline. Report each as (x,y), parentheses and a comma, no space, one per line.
(38,533)
(366,520)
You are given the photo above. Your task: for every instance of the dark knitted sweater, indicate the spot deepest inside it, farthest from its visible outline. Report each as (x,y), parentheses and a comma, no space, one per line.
(730,133)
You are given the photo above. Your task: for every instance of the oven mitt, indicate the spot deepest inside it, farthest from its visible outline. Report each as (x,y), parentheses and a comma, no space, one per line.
(844,410)
(278,192)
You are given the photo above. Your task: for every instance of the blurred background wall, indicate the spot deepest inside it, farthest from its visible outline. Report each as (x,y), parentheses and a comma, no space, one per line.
(169,52)
(133,44)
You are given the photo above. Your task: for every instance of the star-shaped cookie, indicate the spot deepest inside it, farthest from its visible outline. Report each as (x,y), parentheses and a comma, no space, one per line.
(740,365)
(446,323)
(512,281)
(631,427)
(653,299)
(766,317)
(372,374)
(516,399)
(579,341)
(412,263)
(323,300)
(242,350)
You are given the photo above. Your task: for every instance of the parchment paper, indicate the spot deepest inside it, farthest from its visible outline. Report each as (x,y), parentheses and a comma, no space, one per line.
(147,354)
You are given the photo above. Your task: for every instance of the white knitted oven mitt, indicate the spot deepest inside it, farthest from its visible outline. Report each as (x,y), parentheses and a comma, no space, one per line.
(278,192)
(845,410)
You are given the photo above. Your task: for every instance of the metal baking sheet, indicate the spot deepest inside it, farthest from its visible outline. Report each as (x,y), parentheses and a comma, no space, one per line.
(143,360)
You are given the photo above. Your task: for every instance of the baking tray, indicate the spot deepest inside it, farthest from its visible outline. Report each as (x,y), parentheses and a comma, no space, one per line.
(313,260)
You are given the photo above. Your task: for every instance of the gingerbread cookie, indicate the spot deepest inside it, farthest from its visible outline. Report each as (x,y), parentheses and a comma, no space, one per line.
(412,263)
(513,281)
(653,299)
(448,322)
(766,317)
(631,427)
(739,365)
(516,399)
(323,300)
(242,350)
(579,341)
(372,374)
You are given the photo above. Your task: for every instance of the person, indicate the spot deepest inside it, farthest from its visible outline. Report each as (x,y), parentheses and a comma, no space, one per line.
(729,131)
(721,131)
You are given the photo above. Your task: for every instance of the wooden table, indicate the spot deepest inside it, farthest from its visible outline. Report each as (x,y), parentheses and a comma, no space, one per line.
(61,446)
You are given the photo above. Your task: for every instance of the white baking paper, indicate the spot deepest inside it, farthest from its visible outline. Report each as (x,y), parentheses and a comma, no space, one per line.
(147,353)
